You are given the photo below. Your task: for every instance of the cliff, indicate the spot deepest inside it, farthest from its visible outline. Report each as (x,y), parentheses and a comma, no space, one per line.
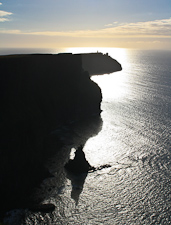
(98,63)
(39,93)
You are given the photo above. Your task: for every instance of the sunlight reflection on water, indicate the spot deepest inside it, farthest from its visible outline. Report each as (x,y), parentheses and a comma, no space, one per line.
(113,85)
(116,88)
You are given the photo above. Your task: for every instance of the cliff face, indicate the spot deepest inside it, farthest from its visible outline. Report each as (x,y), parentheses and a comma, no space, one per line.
(98,63)
(38,94)
(51,85)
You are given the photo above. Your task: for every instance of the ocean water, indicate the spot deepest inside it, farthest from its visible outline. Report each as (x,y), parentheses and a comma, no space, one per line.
(134,138)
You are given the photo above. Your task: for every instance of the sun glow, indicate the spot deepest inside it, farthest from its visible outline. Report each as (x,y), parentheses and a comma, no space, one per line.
(118,51)
(120,54)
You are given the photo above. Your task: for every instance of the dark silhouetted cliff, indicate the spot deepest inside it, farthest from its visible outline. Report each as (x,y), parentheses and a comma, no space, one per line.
(98,63)
(39,93)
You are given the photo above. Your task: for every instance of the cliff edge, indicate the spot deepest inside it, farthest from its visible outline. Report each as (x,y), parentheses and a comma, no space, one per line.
(98,63)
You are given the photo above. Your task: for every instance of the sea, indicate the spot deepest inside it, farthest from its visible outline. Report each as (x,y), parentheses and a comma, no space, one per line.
(133,137)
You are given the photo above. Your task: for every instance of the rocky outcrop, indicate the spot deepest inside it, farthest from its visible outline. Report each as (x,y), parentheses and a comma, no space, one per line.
(98,63)
(79,164)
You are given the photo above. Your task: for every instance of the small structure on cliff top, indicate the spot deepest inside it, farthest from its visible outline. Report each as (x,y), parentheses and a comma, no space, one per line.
(99,63)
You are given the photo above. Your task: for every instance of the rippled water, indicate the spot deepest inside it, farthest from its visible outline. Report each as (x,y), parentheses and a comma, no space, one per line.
(134,139)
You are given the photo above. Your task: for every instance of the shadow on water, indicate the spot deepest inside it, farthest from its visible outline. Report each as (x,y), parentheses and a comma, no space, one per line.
(77,183)
(77,170)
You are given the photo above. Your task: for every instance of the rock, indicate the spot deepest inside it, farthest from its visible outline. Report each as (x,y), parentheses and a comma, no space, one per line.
(98,63)
(79,164)
(45,208)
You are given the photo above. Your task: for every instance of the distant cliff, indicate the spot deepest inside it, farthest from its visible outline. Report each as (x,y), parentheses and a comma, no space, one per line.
(39,93)
(98,63)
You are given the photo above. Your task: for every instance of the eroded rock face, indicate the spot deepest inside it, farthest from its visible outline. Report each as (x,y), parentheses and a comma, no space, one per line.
(38,94)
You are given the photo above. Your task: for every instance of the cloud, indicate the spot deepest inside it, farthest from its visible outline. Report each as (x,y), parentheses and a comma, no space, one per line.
(3,19)
(149,29)
(156,28)
(10,32)
(111,24)
(4,14)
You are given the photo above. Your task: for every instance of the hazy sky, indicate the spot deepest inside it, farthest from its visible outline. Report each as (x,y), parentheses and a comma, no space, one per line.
(85,23)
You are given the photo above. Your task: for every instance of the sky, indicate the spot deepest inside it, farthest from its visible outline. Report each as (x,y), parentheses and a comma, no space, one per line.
(142,24)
